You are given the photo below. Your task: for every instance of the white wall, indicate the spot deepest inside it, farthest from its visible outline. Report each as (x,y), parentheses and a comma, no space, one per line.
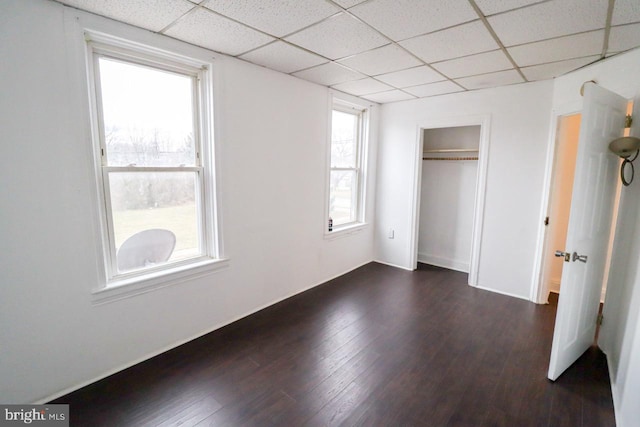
(447,196)
(518,140)
(628,410)
(621,327)
(620,333)
(271,131)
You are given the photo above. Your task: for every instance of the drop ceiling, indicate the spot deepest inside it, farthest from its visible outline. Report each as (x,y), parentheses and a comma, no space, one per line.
(395,50)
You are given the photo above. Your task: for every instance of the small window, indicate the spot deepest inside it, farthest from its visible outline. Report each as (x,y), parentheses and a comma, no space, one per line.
(348,140)
(155,177)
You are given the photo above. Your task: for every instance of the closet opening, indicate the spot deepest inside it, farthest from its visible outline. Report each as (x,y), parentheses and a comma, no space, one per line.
(449,203)
(447,196)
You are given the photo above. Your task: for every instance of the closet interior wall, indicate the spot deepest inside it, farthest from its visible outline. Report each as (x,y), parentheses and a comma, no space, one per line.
(447,199)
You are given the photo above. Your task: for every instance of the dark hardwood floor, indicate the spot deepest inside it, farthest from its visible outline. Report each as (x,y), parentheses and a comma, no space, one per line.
(377,347)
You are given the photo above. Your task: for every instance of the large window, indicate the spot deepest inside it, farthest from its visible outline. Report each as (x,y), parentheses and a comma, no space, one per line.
(155,174)
(348,138)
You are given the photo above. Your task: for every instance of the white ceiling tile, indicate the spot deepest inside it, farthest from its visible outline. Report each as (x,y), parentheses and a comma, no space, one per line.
(281,56)
(401,19)
(276,17)
(362,87)
(490,7)
(204,28)
(624,37)
(337,37)
(625,12)
(433,89)
(381,60)
(550,19)
(389,96)
(475,64)
(555,69)
(150,14)
(544,37)
(500,78)
(348,3)
(329,74)
(569,47)
(411,77)
(452,43)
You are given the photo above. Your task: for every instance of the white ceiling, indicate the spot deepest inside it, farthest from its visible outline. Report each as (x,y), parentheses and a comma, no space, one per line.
(394,50)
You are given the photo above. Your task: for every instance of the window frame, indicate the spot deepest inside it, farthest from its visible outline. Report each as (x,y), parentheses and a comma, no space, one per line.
(99,45)
(362,113)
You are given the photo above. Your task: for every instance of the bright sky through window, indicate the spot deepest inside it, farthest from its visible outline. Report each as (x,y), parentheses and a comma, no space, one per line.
(344,133)
(138,100)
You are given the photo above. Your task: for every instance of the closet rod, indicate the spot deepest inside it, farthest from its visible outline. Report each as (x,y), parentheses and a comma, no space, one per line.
(449,158)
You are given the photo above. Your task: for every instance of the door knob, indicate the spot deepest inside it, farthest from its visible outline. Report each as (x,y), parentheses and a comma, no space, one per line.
(576,257)
(565,255)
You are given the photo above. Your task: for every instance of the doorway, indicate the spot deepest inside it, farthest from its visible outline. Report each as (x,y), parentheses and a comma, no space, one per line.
(560,192)
(561,187)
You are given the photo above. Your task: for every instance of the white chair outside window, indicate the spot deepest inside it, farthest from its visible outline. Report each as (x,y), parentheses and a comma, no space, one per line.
(145,248)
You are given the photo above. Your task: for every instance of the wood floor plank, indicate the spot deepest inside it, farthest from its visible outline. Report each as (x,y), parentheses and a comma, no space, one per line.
(378,346)
(313,401)
(476,398)
(339,409)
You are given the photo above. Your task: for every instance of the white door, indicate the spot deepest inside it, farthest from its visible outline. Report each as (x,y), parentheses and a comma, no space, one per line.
(592,202)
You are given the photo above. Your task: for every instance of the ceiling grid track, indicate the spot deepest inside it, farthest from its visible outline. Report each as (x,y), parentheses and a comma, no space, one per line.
(393,42)
(607,29)
(489,28)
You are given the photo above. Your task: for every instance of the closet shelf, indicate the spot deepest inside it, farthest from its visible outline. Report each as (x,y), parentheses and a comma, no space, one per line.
(452,150)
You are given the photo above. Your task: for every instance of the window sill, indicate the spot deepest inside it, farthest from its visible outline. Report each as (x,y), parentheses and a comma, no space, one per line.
(125,288)
(345,231)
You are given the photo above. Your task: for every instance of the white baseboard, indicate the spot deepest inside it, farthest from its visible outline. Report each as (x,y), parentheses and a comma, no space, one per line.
(503,293)
(393,265)
(444,262)
(554,285)
(184,341)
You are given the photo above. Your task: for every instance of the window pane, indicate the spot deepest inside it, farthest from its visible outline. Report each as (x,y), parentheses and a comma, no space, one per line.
(344,139)
(148,115)
(342,197)
(156,200)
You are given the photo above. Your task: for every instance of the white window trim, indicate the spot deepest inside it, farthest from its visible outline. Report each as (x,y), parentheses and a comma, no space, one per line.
(112,286)
(341,104)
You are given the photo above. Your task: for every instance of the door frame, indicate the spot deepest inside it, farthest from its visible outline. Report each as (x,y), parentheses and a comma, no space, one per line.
(537,287)
(484,121)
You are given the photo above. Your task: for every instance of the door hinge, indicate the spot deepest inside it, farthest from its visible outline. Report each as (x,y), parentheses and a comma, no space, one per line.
(546,221)
(628,120)
(599,319)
